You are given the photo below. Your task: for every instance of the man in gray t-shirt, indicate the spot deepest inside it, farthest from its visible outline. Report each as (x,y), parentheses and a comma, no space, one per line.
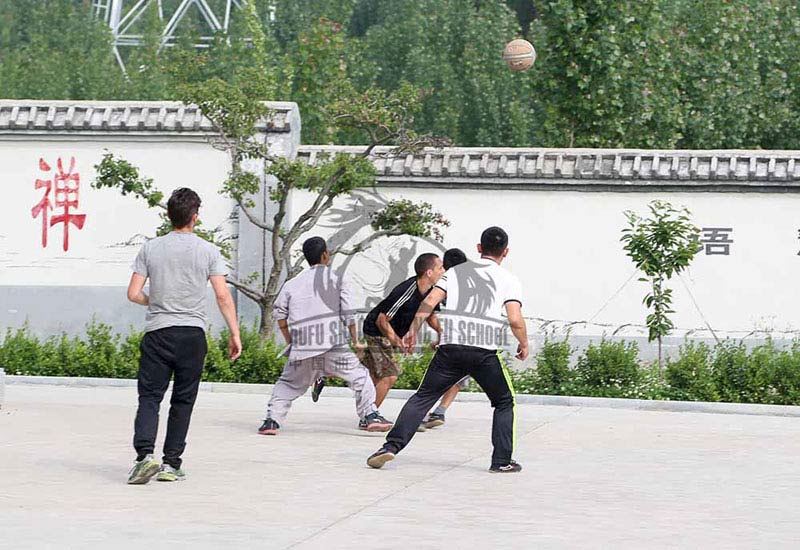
(179,266)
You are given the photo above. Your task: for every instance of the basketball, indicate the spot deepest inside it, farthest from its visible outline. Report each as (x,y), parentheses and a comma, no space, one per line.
(519,55)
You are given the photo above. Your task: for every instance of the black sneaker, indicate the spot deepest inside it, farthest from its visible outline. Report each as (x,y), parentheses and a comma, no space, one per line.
(317,389)
(269,427)
(378,459)
(434,420)
(374,422)
(511,468)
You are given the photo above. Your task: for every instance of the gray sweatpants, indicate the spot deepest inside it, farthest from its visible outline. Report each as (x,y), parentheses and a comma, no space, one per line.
(298,376)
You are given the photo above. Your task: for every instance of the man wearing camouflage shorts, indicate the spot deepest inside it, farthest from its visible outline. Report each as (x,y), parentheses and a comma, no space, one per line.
(390,320)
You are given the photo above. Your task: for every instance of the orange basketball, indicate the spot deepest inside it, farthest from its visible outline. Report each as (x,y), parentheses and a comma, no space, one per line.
(519,55)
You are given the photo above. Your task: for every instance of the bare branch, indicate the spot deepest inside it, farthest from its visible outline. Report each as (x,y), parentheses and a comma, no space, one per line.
(310,217)
(253,219)
(365,242)
(248,291)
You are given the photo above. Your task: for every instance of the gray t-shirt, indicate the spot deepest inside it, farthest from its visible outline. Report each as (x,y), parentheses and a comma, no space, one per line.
(178,266)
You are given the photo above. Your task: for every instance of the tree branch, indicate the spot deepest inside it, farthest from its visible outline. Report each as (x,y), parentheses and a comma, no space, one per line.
(363,244)
(253,219)
(248,291)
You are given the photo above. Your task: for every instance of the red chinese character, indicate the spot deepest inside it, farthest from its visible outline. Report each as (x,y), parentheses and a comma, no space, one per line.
(44,205)
(67,189)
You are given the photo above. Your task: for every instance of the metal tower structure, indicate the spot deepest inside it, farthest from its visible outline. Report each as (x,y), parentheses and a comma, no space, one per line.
(122,16)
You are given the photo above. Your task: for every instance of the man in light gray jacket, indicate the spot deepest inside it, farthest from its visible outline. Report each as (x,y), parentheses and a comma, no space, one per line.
(312,310)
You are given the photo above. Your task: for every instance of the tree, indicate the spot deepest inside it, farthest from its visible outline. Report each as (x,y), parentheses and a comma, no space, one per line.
(660,246)
(454,48)
(235,108)
(53,49)
(738,61)
(605,74)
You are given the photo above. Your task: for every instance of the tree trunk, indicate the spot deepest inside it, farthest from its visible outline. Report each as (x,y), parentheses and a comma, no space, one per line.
(267,327)
(660,368)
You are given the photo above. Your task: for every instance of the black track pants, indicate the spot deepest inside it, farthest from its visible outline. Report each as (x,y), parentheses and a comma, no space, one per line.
(449,365)
(178,350)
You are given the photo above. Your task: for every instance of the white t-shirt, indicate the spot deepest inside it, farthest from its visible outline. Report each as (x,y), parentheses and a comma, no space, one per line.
(473,312)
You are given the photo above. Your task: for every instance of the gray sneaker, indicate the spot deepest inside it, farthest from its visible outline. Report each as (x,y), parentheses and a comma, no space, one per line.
(142,471)
(168,473)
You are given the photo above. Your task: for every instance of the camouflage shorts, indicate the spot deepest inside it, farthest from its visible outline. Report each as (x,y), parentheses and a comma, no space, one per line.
(379,358)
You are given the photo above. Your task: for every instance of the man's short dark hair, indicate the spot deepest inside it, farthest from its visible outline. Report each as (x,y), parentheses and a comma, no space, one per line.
(181,206)
(494,241)
(425,262)
(453,257)
(313,249)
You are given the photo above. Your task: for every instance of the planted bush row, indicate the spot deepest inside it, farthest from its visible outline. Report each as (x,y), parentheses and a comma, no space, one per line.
(728,371)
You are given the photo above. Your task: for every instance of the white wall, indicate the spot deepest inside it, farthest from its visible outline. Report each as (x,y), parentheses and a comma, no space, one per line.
(97,255)
(565,247)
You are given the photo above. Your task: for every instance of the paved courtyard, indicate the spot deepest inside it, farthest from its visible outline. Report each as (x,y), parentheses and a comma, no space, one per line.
(593,478)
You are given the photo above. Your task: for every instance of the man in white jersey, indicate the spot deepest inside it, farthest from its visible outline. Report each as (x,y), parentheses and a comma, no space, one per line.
(473,298)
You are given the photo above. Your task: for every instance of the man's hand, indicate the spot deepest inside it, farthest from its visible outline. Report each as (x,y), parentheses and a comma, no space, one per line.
(434,345)
(522,352)
(359,345)
(396,341)
(409,341)
(234,347)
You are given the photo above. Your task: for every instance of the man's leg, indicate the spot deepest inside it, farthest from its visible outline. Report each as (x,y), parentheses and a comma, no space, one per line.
(449,396)
(190,354)
(343,363)
(436,417)
(382,387)
(155,371)
(494,380)
(441,374)
(379,360)
(295,379)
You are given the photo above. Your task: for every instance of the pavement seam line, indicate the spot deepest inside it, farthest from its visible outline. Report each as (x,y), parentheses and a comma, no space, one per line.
(398,491)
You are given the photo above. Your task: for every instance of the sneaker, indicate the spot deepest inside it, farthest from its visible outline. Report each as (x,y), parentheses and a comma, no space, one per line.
(378,459)
(511,468)
(142,471)
(168,473)
(317,389)
(434,420)
(422,428)
(269,427)
(374,422)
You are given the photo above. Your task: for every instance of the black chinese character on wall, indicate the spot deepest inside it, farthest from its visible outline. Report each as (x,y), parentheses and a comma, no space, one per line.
(717,240)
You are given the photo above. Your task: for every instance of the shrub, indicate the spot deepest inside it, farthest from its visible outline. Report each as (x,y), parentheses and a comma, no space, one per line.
(690,377)
(730,372)
(414,367)
(553,373)
(610,365)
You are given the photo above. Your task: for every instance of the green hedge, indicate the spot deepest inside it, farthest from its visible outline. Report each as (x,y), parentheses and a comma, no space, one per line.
(726,372)
(103,354)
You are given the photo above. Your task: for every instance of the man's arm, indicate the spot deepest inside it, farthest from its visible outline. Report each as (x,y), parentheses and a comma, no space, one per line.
(434,298)
(228,310)
(353,328)
(385,326)
(517,323)
(284,326)
(136,290)
(433,322)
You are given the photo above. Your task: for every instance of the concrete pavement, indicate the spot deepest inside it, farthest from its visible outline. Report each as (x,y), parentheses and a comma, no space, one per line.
(593,478)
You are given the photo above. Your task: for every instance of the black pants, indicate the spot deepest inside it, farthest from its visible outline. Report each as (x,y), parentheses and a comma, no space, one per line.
(178,350)
(450,364)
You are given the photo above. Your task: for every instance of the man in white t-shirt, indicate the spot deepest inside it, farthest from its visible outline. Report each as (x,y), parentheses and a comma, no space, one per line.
(473,297)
